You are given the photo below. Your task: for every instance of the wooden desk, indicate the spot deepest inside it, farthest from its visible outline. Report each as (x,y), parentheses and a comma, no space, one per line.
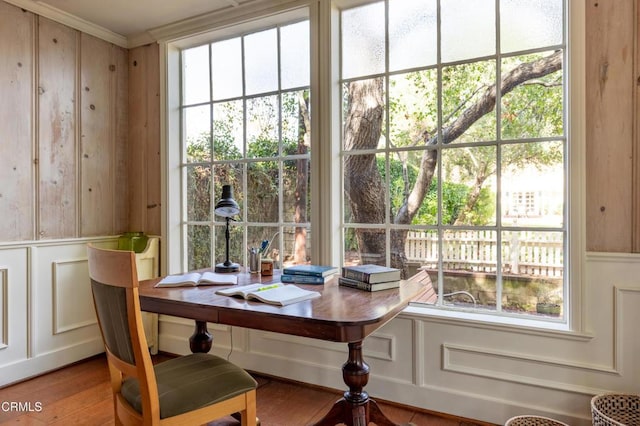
(340,315)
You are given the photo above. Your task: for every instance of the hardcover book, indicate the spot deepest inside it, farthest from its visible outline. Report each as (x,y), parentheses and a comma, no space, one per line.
(274,294)
(312,270)
(194,279)
(304,279)
(370,273)
(347,282)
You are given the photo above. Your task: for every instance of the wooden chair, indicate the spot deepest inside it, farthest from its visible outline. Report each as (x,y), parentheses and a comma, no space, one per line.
(188,390)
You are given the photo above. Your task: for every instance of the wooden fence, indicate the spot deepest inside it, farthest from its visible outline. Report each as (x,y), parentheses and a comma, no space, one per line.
(522,253)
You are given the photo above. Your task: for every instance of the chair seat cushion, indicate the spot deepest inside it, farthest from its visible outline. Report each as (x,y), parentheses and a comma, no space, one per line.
(190,382)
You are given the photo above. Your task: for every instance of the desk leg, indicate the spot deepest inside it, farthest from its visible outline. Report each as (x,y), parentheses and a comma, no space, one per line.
(355,408)
(201,340)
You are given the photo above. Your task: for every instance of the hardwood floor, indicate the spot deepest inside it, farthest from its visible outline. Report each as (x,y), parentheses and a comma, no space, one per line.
(81,395)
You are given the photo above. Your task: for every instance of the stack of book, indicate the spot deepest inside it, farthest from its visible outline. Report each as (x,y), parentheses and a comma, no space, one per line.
(308,274)
(370,277)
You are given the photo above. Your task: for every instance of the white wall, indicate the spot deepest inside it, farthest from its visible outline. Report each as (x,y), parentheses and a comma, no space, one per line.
(478,370)
(482,371)
(47,318)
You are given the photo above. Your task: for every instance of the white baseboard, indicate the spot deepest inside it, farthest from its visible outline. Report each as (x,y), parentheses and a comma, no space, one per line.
(24,369)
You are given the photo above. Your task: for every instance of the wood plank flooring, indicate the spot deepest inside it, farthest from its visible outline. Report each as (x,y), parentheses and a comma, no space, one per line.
(80,394)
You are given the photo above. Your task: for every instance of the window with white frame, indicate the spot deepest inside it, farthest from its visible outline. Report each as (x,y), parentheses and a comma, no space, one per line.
(246,123)
(453,118)
(447,105)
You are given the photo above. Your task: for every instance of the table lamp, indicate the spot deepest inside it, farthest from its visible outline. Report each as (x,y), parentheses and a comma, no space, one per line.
(227,207)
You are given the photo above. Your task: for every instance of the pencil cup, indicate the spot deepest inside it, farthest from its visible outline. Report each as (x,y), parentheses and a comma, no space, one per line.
(254,261)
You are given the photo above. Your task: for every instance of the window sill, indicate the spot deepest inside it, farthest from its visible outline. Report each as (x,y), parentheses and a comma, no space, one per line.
(495,322)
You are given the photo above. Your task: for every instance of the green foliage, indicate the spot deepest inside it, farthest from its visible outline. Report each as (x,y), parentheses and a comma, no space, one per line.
(454,200)
(483,210)
(413,107)
(454,196)
(199,246)
(198,149)
(533,109)
(262,147)
(462,86)
(213,163)
(199,192)
(224,146)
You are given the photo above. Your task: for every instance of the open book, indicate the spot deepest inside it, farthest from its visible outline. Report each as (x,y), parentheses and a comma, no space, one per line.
(275,294)
(193,279)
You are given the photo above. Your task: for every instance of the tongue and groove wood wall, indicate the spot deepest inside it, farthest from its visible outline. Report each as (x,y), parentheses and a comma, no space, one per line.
(72,157)
(16,124)
(80,120)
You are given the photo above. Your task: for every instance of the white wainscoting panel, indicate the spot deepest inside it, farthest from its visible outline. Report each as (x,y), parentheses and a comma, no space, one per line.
(62,299)
(627,330)
(479,370)
(515,367)
(14,335)
(4,308)
(47,319)
(72,300)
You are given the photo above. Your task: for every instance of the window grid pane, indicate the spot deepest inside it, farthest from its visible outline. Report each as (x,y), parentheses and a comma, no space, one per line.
(462,181)
(239,133)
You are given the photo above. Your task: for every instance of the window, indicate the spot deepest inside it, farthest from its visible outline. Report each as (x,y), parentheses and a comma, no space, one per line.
(245,122)
(448,122)
(454,147)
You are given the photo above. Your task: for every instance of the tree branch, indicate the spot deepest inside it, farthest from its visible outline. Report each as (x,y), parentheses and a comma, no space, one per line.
(519,75)
(542,83)
(511,80)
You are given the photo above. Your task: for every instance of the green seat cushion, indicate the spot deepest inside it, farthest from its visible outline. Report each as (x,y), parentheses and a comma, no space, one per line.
(190,382)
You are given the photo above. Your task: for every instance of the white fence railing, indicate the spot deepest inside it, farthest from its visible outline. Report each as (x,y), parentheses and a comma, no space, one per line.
(522,253)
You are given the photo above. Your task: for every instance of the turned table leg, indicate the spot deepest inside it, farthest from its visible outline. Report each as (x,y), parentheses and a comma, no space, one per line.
(355,408)
(201,340)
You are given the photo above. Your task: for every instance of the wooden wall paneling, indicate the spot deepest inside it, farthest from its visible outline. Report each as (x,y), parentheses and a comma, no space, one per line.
(97,139)
(154,167)
(120,92)
(57,155)
(16,124)
(144,139)
(636,136)
(137,138)
(609,124)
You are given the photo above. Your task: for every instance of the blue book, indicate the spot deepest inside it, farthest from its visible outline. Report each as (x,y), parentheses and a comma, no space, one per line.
(303,279)
(310,270)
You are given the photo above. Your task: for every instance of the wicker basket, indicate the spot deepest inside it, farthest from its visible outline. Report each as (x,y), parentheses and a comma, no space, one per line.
(615,409)
(533,421)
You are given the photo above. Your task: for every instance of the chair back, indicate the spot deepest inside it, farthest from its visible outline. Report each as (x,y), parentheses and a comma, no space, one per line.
(114,283)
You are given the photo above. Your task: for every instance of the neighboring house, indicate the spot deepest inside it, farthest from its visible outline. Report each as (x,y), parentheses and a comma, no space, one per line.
(532,194)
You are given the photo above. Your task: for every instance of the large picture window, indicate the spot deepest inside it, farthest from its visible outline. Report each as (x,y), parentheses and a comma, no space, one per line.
(441,145)
(454,147)
(246,123)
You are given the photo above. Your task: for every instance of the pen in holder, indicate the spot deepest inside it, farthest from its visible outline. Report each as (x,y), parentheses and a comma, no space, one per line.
(254,260)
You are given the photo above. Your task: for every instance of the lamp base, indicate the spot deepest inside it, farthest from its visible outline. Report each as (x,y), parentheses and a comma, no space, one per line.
(227,267)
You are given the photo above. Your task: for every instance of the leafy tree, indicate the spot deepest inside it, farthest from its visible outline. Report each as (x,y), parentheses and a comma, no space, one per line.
(205,181)
(364,125)
(455,196)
